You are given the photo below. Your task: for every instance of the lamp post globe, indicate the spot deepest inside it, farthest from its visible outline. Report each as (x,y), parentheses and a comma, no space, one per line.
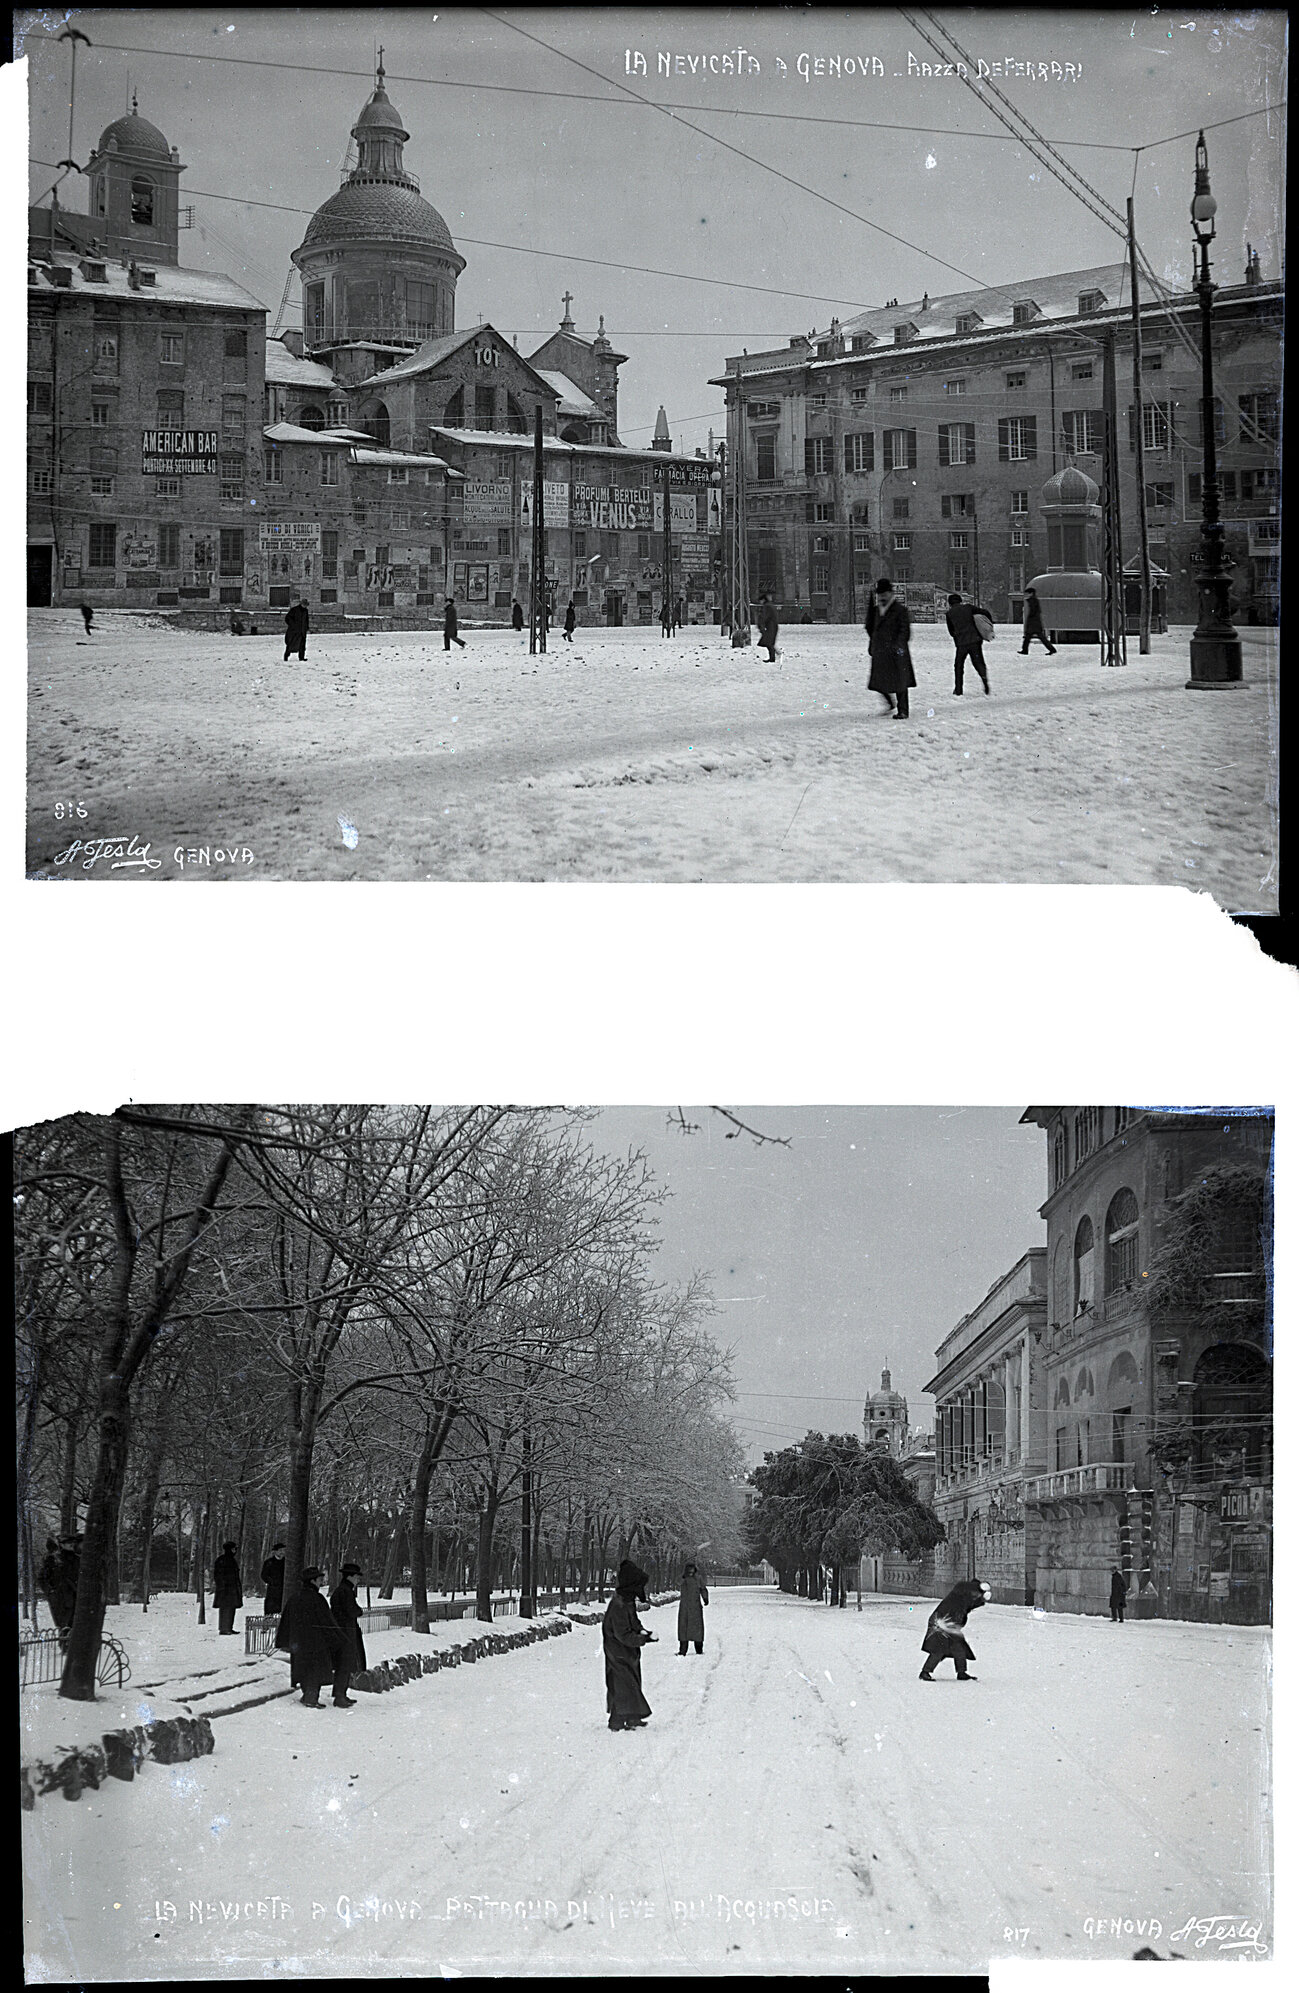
(1215,644)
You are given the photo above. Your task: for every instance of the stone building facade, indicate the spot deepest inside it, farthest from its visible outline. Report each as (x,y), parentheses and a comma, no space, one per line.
(1156,1363)
(914,441)
(372,464)
(990,1435)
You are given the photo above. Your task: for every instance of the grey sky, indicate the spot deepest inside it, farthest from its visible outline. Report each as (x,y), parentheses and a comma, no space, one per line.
(869,1236)
(627,184)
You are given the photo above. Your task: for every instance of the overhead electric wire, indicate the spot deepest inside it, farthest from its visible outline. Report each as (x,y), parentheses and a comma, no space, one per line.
(586,97)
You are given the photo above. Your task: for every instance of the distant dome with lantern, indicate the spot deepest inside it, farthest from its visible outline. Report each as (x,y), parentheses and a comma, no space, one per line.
(378,265)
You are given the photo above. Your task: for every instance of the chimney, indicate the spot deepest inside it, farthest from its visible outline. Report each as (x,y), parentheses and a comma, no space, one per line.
(1252,275)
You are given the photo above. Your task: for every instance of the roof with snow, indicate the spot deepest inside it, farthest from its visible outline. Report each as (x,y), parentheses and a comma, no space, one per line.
(284,369)
(500,439)
(362,454)
(171,285)
(294,432)
(433,352)
(572,401)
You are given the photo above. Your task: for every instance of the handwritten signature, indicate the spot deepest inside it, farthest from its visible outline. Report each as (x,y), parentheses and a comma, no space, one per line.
(123,853)
(1238,1934)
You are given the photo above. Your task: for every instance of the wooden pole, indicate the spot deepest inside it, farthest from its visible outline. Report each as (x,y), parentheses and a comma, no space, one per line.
(537,626)
(1142,522)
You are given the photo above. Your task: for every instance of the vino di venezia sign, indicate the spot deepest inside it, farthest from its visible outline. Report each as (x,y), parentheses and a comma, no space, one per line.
(176,452)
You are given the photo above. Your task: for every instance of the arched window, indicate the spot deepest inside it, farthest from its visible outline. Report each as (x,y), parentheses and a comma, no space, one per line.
(516,422)
(572,434)
(1062,1393)
(1121,1243)
(311,417)
(453,415)
(1061,1306)
(142,201)
(101,195)
(1084,1274)
(374,421)
(1232,1410)
(1082,1386)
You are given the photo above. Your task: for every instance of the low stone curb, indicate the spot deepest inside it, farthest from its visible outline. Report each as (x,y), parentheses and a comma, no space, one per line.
(396,1669)
(119,1754)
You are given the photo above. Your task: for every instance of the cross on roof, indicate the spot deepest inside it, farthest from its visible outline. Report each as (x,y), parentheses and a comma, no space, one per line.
(568,299)
(379,69)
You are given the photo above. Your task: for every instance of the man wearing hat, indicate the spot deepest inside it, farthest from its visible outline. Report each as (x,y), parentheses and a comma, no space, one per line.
(345,1606)
(273,1579)
(315,1643)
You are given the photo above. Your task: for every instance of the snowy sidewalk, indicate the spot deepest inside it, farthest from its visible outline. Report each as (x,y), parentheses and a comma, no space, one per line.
(798,1802)
(624,757)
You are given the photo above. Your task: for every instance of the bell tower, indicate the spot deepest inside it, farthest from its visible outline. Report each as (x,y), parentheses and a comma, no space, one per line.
(135,190)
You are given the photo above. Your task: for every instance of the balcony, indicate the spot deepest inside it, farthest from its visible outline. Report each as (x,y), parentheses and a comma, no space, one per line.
(1080,1484)
(367,332)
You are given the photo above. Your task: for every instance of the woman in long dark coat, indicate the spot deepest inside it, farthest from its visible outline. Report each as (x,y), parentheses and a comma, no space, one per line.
(346,1608)
(313,1639)
(624,1636)
(690,1611)
(227,1592)
(888,625)
(945,1634)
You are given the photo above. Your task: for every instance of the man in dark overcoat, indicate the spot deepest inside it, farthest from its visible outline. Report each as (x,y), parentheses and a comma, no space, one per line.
(58,1584)
(945,1634)
(1118,1596)
(1034,627)
(624,1636)
(451,625)
(768,627)
(516,615)
(968,638)
(295,630)
(690,1610)
(227,1592)
(888,625)
(273,1579)
(315,1642)
(346,1608)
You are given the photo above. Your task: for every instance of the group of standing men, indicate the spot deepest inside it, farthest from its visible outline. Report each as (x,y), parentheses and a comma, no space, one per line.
(322,1637)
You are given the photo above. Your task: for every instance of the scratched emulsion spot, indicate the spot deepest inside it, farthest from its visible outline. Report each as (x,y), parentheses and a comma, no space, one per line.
(351,835)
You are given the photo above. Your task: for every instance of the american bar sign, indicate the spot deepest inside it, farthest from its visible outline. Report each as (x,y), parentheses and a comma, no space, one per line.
(173,452)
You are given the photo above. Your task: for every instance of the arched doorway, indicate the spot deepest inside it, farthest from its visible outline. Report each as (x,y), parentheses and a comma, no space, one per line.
(1231,1413)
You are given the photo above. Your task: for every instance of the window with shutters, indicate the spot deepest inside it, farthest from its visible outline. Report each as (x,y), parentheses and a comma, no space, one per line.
(1017,380)
(40,398)
(235,356)
(1159,496)
(859,452)
(820,544)
(1154,425)
(171,349)
(171,408)
(1084,1276)
(897,394)
(1262,410)
(816,456)
(1081,429)
(233,414)
(1018,502)
(273,465)
(1082,370)
(329,466)
(899,449)
(902,508)
(1152,363)
(232,479)
(1016,438)
(957,386)
(958,579)
(101,414)
(329,553)
(169,545)
(957,504)
(106,348)
(820,577)
(956,442)
(823,513)
(765,449)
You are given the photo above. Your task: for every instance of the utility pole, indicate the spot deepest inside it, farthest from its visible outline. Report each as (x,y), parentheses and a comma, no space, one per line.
(527,1577)
(537,620)
(1114,643)
(739,589)
(978,590)
(668,594)
(1139,419)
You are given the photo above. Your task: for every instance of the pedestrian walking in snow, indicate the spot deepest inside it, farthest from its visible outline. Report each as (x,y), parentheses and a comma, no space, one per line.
(273,1579)
(451,626)
(690,1610)
(1033,624)
(227,1592)
(665,619)
(888,625)
(679,614)
(570,621)
(963,628)
(87,616)
(768,627)
(624,1636)
(344,1605)
(1118,1596)
(295,631)
(945,1634)
(315,1643)
(516,615)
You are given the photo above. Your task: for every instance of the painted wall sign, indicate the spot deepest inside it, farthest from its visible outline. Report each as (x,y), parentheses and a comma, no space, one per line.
(685,518)
(555,499)
(172,452)
(289,529)
(612,509)
(487,500)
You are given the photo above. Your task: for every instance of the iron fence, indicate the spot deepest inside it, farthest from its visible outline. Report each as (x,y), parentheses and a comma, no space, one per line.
(40,1660)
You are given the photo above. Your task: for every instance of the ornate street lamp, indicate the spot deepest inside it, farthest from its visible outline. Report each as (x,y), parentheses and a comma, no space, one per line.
(1215,646)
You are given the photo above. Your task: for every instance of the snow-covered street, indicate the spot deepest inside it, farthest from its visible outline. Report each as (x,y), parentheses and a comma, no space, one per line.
(798,1802)
(625,757)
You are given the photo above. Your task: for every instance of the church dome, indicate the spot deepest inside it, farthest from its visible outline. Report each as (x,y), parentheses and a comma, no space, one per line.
(135,134)
(380,209)
(380,114)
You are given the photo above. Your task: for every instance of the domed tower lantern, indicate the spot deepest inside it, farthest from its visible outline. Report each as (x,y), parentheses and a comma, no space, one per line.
(1070,590)
(884,1418)
(378,265)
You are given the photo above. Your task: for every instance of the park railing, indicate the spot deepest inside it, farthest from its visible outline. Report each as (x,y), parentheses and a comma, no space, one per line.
(40,1660)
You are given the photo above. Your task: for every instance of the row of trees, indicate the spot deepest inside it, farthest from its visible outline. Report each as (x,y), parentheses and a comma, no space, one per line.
(405,1334)
(824,1504)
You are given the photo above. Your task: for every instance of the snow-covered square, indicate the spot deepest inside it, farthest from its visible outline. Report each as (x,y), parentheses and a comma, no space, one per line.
(799,1802)
(626,756)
